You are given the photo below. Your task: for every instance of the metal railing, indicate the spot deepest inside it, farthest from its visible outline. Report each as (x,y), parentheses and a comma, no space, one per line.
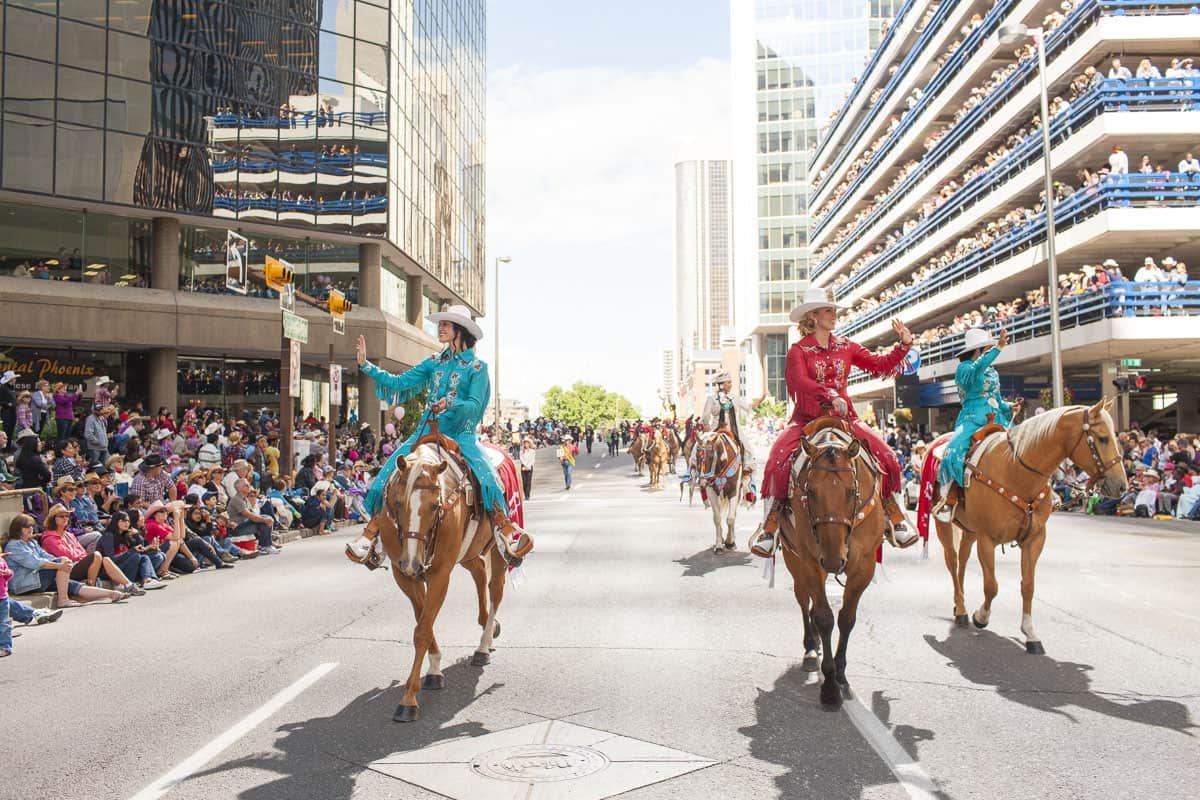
(302,163)
(1076,22)
(1139,94)
(1127,299)
(1121,191)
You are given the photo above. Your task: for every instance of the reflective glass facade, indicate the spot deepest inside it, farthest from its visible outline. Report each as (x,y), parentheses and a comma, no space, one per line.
(363,117)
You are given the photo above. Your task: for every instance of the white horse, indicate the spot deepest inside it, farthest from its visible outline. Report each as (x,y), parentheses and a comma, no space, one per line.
(719,466)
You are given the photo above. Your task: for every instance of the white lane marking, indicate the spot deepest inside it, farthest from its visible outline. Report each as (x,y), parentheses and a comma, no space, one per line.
(563,496)
(912,777)
(185,768)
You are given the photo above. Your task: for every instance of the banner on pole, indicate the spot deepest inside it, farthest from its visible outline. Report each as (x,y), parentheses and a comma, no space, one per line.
(237,253)
(294,370)
(335,384)
(287,298)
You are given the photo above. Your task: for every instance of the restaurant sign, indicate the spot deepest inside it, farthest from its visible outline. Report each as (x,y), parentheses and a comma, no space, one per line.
(33,365)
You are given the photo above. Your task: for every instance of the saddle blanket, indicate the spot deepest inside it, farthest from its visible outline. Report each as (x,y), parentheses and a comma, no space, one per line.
(510,481)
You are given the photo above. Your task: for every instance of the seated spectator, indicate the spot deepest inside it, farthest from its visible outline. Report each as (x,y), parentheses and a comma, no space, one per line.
(66,463)
(168,535)
(152,483)
(318,509)
(197,532)
(11,608)
(117,545)
(246,519)
(35,570)
(66,491)
(58,540)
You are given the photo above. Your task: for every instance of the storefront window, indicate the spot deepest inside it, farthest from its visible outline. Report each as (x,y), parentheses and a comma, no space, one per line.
(77,247)
(79,368)
(393,290)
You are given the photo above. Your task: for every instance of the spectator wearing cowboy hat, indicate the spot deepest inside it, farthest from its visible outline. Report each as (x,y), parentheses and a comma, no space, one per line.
(566,456)
(95,433)
(58,540)
(240,470)
(152,483)
(528,457)
(164,527)
(24,412)
(105,388)
(65,492)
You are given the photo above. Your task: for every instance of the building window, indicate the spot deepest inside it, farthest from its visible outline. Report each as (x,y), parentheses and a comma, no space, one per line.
(776,365)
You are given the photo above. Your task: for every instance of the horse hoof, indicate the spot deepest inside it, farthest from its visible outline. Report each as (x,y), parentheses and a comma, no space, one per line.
(960,620)
(810,664)
(496,631)
(1035,649)
(717,551)
(406,713)
(831,697)
(978,624)
(481,659)
(433,682)
(730,545)
(845,687)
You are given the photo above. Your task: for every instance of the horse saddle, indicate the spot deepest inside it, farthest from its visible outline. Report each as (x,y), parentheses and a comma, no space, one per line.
(827,430)
(828,421)
(454,453)
(974,450)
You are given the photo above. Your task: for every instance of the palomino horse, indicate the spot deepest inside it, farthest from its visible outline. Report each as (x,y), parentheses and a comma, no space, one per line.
(641,443)
(656,459)
(719,473)
(428,525)
(1009,499)
(838,524)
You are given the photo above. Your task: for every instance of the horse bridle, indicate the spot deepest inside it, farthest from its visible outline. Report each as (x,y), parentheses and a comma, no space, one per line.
(428,538)
(1085,434)
(860,512)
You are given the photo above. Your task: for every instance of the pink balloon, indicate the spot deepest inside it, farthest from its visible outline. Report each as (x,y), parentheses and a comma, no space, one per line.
(398,413)
(389,429)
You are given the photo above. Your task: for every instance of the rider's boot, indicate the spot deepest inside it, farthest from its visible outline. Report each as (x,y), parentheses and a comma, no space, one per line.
(364,549)
(767,541)
(950,497)
(897,531)
(503,528)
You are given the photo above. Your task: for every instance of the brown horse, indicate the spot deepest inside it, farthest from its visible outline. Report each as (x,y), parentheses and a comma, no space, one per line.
(838,525)
(1009,499)
(429,524)
(656,459)
(673,444)
(721,478)
(641,443)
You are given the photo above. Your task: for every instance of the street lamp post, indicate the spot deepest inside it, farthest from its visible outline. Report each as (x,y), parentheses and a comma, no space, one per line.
(496,336)
(1011,34)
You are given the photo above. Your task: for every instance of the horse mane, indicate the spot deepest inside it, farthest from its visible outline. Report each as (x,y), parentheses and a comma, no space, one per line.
(1039,430)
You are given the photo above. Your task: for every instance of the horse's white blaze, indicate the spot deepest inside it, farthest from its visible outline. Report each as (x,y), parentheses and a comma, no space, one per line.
(1027,628)
(408,548)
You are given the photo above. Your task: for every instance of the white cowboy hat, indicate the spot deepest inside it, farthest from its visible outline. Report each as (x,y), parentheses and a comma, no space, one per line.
(461,316)
(975,339)
(320,486)
(1110,262)
(8,377)
(103,379)
(815,297)
(723,377)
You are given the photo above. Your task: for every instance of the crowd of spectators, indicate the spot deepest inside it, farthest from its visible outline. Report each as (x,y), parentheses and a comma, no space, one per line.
(285,199)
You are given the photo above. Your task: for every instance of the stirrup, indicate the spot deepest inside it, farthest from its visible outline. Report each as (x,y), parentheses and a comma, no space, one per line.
(889,533)
(765,543)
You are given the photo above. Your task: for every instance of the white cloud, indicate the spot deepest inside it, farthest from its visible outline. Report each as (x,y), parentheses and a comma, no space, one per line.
(580,188)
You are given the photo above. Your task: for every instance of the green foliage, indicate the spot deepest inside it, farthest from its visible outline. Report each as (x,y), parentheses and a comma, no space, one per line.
(412,415)
(771,408)
(586,405)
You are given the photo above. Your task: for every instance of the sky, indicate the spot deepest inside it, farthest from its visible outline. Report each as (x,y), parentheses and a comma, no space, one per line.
(589,107)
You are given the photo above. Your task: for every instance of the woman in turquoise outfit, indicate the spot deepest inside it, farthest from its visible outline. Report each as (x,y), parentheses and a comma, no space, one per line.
(458,392)
(979,390)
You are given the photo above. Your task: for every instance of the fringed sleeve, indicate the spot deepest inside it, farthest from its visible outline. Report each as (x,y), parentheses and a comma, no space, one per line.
(879,364)
(397,389)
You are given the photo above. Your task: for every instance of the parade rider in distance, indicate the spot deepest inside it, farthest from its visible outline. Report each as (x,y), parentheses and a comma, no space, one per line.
(979,392)
(723,403)
(818,370)
(458,392)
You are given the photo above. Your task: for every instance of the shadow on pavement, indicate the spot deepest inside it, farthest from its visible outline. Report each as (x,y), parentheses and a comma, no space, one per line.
(704,562)
(1039,682)
(323,757)
(906,736)
(822,751)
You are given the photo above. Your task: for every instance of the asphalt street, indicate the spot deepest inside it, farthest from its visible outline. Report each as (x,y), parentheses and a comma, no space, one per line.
(277,680)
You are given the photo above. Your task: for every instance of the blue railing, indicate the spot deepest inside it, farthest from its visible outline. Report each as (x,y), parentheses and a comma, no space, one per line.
(305,119)
(302,164)
(1119,191)
(858,85)
(360,206)
(1078,20)
(1115,300)
(1109,95)
(913,56)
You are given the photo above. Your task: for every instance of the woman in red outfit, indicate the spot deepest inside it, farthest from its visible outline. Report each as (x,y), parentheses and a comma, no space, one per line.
(818,368)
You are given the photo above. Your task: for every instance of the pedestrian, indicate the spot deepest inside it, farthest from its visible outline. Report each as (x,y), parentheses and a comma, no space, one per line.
(566,455)
(528,456)
(8,404)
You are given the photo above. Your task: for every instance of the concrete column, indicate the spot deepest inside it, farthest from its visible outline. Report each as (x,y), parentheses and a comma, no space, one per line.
(368,404)
(370,262)
(415,292)
(1187,409)
(164,259)
(164,387)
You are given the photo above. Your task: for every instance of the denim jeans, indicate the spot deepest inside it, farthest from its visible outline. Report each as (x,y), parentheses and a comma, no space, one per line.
(5,626)
(223,546)
(261,531)
(568,469)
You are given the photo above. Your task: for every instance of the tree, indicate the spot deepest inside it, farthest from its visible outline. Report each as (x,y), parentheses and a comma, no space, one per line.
(771,408)
(586,405)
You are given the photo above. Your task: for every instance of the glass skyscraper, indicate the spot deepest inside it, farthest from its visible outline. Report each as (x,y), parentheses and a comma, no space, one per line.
(793,63)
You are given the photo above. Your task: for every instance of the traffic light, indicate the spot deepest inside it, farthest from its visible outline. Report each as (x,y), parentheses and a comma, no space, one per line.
(1129,383)
(339,307)
(277,273)
(1139,382)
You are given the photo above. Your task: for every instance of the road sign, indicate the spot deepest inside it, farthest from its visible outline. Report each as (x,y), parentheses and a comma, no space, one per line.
(335,384)
(1131,362)
(294,370)
(295,327)
(287,298)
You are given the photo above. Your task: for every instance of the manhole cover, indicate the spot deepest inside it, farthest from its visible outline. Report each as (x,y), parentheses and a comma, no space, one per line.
(539,763)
